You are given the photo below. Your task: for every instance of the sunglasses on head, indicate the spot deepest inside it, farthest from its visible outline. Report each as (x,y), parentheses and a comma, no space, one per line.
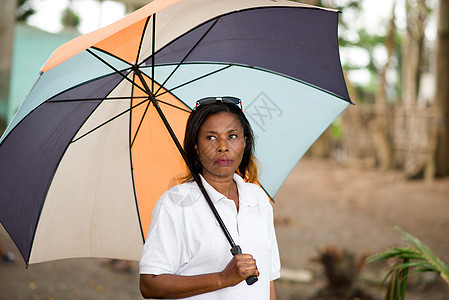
(227,99)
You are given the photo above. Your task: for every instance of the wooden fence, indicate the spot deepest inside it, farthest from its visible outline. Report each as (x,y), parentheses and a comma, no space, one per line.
(390,136)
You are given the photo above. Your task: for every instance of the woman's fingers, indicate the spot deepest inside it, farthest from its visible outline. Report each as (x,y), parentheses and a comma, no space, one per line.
(246,265)
(239,268)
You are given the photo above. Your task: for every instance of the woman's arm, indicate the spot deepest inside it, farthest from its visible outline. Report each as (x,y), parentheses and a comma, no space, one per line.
(176,286)
(273,294)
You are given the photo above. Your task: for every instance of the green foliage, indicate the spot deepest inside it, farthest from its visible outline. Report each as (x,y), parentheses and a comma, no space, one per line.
(70,19)
(419,259)
(336,130)
(24,10)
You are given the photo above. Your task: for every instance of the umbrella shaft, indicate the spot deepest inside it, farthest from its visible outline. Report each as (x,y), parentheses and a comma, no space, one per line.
(196,176)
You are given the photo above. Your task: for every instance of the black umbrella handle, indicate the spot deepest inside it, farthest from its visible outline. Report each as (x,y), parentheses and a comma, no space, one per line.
(251,279)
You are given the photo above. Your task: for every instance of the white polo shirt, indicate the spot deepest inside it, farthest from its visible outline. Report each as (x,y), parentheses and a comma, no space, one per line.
(185,239)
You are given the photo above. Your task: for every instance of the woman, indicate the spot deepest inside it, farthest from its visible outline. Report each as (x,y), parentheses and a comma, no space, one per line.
(186,253)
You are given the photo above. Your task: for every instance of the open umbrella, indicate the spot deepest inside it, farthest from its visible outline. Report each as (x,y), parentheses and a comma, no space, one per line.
(88,153)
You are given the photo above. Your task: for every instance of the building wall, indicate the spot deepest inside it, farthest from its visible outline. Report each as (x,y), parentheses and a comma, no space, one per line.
(31,49)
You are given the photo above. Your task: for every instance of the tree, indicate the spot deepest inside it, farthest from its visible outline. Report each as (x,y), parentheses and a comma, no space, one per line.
(24,10)
(442,90)
(70,19)
(382,140)
(413,49)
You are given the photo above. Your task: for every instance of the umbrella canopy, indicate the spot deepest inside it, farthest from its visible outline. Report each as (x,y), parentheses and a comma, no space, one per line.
(87,155)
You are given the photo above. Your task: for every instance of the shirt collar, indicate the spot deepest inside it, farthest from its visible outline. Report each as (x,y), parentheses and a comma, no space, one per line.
(216,196)
(245,198)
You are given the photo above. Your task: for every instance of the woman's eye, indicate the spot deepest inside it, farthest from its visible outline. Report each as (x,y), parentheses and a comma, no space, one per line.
(211,138)
(233,136)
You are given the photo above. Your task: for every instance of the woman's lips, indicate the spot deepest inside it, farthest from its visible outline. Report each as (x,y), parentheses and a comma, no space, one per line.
(224,161)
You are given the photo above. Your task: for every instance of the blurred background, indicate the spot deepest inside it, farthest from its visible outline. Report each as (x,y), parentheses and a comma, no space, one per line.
(383,162)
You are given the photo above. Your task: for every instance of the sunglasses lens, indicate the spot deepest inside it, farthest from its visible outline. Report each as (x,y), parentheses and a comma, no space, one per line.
(209,100)
(206,101)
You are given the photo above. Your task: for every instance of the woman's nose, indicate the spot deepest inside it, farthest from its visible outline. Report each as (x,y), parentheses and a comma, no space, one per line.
(222,146)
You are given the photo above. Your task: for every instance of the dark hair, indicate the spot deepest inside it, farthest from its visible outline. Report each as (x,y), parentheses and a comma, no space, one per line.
(248,167)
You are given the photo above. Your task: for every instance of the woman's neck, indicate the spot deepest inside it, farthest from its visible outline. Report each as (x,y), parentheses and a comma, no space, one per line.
(224,185)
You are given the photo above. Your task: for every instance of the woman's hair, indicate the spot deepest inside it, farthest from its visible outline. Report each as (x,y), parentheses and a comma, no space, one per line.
(248,167)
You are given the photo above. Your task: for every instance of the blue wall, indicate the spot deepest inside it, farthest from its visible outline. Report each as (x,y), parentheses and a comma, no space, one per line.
(31,49)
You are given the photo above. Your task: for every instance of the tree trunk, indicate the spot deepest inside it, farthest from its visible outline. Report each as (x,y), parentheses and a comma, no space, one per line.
(415,162)
(413,50)
(442,91)
(382,140)
(7,21)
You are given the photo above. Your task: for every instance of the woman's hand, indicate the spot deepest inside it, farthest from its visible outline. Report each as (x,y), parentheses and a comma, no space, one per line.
(176,286)
(238,269)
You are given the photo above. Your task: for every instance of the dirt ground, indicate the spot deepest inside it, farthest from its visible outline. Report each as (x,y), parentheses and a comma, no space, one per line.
(322,203)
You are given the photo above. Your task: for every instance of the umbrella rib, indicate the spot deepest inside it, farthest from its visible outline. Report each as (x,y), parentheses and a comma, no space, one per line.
(174,106)
(139,74)
(142,38)
(142,80)
(285,76)
(153,46)
(146,108)
(185,57)
(117,71)
(96,99)
(195,79)
(109,120)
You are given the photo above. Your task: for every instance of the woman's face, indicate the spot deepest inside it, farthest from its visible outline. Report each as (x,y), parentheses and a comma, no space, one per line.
(221,144)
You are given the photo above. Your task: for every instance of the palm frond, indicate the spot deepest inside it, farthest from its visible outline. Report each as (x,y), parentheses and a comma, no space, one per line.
(427,254)
(419,259)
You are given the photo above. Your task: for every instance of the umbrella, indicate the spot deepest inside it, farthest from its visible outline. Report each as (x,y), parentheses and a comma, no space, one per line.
(88,153)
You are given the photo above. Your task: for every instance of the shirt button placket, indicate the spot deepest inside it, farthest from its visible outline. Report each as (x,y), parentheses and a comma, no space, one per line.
(235,215)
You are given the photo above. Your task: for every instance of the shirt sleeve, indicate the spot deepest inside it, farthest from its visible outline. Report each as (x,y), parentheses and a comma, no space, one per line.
(275,259)
(163,249)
